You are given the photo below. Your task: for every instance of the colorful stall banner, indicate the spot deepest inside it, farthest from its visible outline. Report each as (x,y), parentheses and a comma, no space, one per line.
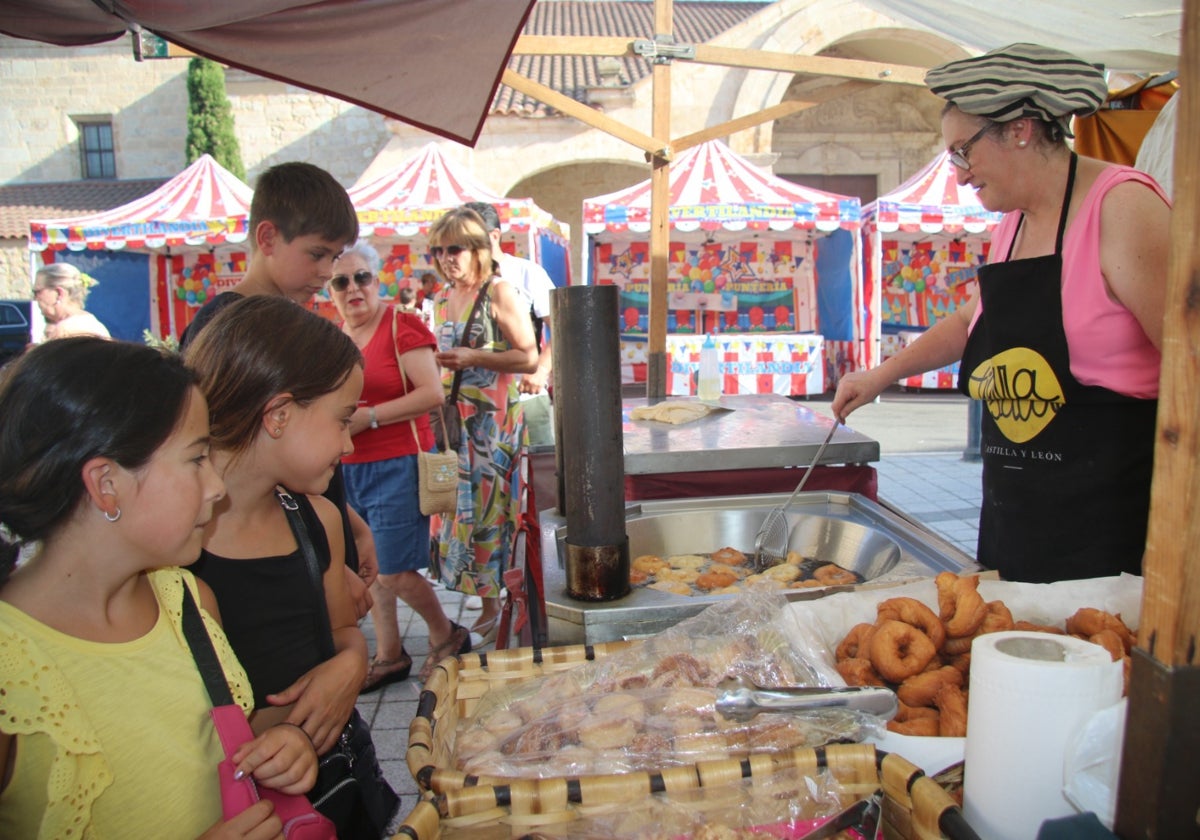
(789,365)
(755,284)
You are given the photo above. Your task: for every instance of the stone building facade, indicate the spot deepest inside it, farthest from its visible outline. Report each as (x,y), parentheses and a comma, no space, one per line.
(871,141)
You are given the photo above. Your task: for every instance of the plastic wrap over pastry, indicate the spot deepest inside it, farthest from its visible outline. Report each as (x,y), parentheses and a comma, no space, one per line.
(785,804)
(654,705)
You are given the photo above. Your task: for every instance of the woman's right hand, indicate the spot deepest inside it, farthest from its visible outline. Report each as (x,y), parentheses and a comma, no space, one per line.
(282,758)
(258,822)
(855,389)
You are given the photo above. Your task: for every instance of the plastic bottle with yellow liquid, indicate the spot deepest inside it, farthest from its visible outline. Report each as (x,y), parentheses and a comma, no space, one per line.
(708,384)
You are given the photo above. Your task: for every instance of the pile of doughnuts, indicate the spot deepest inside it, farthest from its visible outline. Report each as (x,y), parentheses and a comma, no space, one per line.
(726,571)
(926,656)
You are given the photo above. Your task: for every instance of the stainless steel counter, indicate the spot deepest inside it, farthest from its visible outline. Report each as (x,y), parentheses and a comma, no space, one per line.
(701,525)
(757,431)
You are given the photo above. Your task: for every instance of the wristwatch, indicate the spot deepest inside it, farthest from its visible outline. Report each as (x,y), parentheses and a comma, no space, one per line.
(374,419)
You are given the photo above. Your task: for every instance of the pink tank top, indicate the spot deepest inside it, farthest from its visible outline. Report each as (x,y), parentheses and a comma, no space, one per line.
(1107,345)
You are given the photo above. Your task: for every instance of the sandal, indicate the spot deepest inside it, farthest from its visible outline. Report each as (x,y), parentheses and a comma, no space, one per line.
(485,633)
(383,672)
(456,644)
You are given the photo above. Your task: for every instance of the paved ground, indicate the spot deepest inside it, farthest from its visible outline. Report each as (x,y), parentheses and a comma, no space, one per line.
(922,472)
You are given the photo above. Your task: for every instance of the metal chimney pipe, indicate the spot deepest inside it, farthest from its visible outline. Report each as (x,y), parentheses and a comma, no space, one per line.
(590,451)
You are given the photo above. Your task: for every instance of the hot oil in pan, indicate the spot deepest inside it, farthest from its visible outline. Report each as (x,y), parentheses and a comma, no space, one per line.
(728,571)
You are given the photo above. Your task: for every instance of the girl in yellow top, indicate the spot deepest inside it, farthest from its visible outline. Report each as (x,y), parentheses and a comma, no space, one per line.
(104,724)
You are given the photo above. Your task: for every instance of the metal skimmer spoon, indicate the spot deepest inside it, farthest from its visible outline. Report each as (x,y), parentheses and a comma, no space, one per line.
(771,541)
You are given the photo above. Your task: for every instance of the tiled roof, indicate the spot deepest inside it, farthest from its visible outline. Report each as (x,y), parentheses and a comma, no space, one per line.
(21,202)
(694,23)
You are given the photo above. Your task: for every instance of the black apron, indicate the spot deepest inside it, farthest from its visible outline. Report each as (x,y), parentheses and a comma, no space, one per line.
(1066,466)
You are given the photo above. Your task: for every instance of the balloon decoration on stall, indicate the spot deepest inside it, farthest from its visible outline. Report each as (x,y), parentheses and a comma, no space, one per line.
(196,278)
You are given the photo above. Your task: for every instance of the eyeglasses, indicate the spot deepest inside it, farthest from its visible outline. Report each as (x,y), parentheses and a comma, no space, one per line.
(959,156)
(449,250)
(340,282)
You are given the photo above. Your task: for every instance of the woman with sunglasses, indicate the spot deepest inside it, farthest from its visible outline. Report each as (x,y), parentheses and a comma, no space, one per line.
(1062,340)
(475,544)
(401,385)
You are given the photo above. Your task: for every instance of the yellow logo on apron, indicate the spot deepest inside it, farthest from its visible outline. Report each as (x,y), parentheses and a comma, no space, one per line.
(1020,391)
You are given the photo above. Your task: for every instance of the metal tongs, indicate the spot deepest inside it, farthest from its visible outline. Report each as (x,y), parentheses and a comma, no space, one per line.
(771,541)
(738,699)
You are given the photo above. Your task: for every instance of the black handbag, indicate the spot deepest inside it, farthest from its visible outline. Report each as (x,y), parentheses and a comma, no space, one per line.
(445,420)
(350,789)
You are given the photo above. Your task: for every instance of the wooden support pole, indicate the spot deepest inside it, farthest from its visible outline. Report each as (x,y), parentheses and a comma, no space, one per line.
(660,201)
(814,65)
(1159,795)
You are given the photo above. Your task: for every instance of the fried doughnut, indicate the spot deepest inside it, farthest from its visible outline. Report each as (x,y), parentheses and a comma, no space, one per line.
(961,662)
(858,671)
(906,712)
(911,611)
(680,669)
(899,650)
(651,564)
(833,575)
(607,733)
(687,561)
(675,587)
(1030,627)
(687,576)
(637,577)
(715,580)
(857,642)
(925,727)
(729,555)
(725,567)
(958,646)
(794,558)
(952,703)
(1088,621)
(1111,641)
(997,619)
(961,606)
(919,689)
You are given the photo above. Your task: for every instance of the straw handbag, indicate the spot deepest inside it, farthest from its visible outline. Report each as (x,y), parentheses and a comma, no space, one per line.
(437,472)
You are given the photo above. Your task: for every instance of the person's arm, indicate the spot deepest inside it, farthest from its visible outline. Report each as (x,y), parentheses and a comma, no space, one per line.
(425,395)
(364,545)
(323,699)
(1134,243)
(512,315)
(533,383)
(940,345)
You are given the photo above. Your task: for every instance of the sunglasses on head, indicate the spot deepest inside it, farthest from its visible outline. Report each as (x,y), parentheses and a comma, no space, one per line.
(449,250)
(340,282)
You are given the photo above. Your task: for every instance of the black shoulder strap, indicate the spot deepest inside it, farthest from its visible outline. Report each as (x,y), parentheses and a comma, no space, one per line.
(307,529)
(452,399)
(203,651)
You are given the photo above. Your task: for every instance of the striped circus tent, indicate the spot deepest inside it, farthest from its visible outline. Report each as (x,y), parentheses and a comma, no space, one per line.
(712,188)
(763,254)
(401,204)
(204,205)
(922,245)
(932,201)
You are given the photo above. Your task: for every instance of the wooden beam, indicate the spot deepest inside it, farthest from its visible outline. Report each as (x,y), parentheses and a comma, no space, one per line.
(775,112)
(1159,791)
(816,65)
(660,226)
(556,45)
(596,119)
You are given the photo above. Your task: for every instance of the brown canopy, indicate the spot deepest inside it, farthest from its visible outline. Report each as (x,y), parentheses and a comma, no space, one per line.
(432,63)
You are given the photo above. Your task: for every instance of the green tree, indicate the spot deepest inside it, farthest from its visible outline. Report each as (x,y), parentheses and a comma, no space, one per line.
(210,117)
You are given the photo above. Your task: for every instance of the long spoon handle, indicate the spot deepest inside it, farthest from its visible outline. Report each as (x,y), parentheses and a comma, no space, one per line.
(811,466)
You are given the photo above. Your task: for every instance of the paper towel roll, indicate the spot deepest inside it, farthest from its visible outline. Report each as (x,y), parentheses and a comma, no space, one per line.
(1029,692)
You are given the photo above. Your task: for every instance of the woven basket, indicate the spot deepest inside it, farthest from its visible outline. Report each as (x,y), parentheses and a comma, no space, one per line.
(914,807)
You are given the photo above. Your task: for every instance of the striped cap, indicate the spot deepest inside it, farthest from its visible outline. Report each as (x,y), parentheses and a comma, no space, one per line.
(1022,80)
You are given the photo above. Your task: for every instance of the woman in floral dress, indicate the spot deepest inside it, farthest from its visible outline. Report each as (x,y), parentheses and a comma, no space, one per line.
(474,545)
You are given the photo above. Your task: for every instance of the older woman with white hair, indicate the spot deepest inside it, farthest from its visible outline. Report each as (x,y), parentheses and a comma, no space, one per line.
(1062,341)
(61,290)
(401,385)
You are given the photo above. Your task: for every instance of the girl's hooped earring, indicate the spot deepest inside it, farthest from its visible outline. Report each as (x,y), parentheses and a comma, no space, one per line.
(112,517)
(276,432)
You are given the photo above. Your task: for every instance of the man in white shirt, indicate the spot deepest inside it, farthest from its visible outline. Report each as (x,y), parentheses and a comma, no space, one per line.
(533,282)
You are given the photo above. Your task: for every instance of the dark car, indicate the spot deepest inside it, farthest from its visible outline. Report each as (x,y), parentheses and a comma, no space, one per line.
(14,328)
